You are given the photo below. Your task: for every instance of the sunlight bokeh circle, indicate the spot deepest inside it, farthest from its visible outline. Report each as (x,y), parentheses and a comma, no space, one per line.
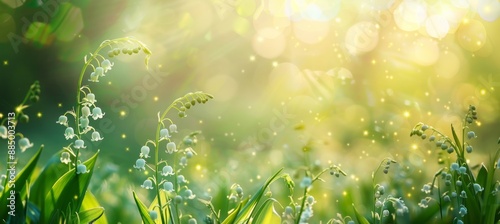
(437,26)
(471,35)
(310,31)
(362,37)
(222,86)
(424,51)
(320,10)
(286,78)
(410,15)
(269,43)
(488,10)
(447,66)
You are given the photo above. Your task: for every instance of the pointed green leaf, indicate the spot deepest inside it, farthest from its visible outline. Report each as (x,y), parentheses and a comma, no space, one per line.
(266,213)
(231,218)
(92,215)
(247,210)
(89,203)
(68,192)
(482,176)
(18,215)
(361,219)
(457,141)
(146,218)
(52,171)
(21,178)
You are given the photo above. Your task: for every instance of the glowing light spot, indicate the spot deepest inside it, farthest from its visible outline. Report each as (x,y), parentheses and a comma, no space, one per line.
(414,146)
(127,149)
(258,177)
(329,134)
(406,114)
(253,153)
(59,105)
(5,62)
(155,98)
(198,167)
(123,113)
(325,195)
(200,122)
(408,195)
(252,58)
(365,133)
(275,64)
(109,83)
(124,136)
(344,193)
(1,115)
(478,123)
(374,61)
(382,100)
(39,114)
(130,170)
(146,172)
(483,92)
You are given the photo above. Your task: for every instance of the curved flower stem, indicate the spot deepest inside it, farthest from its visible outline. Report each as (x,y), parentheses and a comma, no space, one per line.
(88,62)
(157,149)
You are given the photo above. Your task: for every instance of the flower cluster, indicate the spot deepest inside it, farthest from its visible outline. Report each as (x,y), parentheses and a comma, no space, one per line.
(14,118)
(444,142)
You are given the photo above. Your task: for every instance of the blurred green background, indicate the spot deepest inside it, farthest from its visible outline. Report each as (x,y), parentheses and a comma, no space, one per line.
(357,75)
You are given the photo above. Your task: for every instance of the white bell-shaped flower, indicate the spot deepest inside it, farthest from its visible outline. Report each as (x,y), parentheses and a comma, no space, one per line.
(96,136)
(164,134)
(86,111)
(168,186)
(3,132)
(69,133)
(79,144)
(65,157)
(167,171)
(63,120)
(89,99)
(148,184)
(140,164)
(106,65)
(171,147)
(144,151)
(24,143)
(81,169)
(94,77)
(97,113)
(84,123)
(173,128)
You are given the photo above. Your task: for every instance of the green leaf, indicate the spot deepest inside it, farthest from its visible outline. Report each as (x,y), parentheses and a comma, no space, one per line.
(89,203)
(146,218)
(19,214)
(52,171)
(247,210)
(482,176)
(231,218)
(68,192)
(267,214)
(361,219)
(91,215)
(21,179)
(457,142)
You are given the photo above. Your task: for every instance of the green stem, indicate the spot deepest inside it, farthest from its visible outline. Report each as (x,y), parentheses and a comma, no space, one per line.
(302,205)
(157,149)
